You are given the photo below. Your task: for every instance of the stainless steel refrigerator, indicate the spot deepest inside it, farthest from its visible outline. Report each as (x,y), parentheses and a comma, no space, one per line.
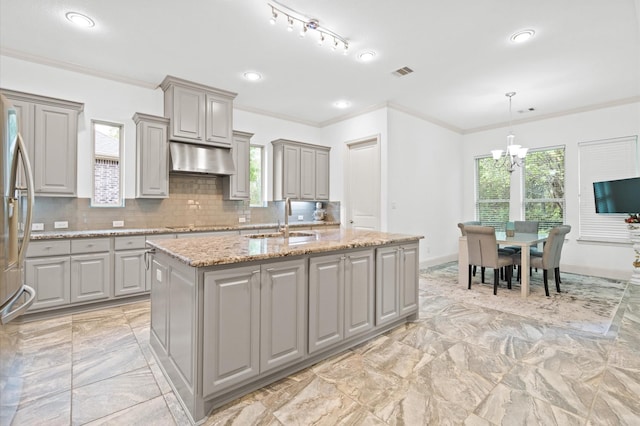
(16,181)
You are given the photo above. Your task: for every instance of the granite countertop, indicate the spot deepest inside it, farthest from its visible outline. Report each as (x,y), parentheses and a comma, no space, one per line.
(221,250)
(120,232)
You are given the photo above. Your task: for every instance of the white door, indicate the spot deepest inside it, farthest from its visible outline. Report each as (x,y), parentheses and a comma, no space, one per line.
(362,185)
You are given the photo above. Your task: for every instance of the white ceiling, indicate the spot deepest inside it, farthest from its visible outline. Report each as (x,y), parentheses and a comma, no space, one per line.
(585,54)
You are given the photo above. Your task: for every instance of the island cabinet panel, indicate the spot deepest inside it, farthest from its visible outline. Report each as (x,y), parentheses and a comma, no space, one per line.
(283,312)
(182,322)
(326,301)
(159,300)
(396,282)
(231,329)
(341,297)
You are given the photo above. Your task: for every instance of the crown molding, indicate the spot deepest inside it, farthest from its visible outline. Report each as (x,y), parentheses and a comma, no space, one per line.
(274,115)
(425,117)
(75,68)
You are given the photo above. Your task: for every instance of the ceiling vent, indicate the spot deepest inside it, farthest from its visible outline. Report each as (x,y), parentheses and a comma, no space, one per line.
(401,72)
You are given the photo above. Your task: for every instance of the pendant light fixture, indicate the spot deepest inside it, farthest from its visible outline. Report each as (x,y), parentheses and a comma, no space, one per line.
(514,154)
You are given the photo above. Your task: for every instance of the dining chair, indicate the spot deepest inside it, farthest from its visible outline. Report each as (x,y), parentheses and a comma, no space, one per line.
(461,225)
(550,259)
(537,253)
(483,252)
(523,227)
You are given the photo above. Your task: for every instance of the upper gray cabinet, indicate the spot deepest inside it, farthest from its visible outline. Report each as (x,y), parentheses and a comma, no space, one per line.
(49,128)
(152,152)
(236,187)
(300,170)
(198,113)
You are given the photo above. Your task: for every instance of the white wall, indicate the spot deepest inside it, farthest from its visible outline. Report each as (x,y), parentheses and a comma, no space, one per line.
(425,182)
(577,256)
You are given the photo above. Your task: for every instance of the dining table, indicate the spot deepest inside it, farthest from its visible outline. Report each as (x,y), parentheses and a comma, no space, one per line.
(521,239)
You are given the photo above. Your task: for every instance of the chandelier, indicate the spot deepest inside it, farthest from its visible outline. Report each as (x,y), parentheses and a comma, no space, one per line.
(305,24)
(514,154)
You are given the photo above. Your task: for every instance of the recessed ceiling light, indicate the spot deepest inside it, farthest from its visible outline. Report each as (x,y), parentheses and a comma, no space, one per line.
(252,75)
(80,20)
(522,36)
(367,56)
(342,104)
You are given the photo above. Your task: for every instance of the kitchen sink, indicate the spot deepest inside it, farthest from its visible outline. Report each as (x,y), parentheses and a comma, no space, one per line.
(292,234)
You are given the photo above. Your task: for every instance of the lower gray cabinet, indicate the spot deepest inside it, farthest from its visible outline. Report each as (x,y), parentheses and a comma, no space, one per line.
(341,297)
(254,321)
(50,278)
(129,265)
(396,282)
(90,269)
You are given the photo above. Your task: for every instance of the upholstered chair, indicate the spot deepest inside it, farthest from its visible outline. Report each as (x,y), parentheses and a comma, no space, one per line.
(483,252)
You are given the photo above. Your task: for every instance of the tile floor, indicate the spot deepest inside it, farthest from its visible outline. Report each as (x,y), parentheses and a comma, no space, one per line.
(459,364)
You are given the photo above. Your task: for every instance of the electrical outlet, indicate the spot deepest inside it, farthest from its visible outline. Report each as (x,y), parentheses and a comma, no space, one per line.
(300,217)
(118,223)
(242,219)
(62,224)
(37,226)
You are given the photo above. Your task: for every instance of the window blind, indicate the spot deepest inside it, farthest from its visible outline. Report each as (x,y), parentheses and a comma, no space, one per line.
(600,160)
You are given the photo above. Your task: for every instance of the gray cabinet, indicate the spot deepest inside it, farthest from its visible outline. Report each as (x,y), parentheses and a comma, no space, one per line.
(90,269)
(129,266)
(300,170)
(254,321)
(50,129)
(341,297)
(396,282)
(48,271)
(237,186)
(152,156)
(198,113)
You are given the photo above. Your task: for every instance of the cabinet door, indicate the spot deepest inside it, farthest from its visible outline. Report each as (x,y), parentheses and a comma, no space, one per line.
(307,173)
(50,278)
(387,285)
(55,138)
(409,279)
(291,172)
(282,306)
(322,175)
(159,296)
(24,111)
(236,187)
(231,327)
(153,160)
(188,107)
(359,293)
(129,272)
(326,301)
(90,277)
(218,120)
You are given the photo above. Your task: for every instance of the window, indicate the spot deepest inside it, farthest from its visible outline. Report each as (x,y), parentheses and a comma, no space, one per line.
(107,164)
(544,187)
(608,159)
(256,176)
(493,193)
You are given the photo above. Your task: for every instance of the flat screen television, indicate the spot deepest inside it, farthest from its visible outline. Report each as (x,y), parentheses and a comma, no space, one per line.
(617,196)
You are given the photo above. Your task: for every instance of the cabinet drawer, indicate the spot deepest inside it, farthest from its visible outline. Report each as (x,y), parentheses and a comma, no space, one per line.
(129,243)
(92,245)
(48,248)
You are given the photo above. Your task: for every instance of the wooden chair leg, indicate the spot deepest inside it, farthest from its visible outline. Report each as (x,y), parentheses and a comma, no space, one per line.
(482,274)
(470,269)
(509,273)
(556,273)
(474,270)
(495,281)
(546,284)
(502,273)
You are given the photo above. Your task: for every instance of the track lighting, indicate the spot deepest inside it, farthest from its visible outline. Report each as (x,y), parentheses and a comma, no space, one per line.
(306,24)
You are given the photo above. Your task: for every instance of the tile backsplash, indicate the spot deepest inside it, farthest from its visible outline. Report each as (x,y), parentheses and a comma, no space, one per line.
(193,200)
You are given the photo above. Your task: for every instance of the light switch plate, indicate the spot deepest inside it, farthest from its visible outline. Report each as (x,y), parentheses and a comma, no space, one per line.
(118,223)
(37,226)
(61,224)
(300,217)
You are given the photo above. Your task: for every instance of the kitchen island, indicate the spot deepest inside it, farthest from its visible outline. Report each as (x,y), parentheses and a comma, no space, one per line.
(231,314)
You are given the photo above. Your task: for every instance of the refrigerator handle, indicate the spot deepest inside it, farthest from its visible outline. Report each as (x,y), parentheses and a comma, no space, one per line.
(30,198)
(8,313)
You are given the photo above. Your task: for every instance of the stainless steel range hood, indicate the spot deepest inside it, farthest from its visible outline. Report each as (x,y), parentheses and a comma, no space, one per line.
(200,159)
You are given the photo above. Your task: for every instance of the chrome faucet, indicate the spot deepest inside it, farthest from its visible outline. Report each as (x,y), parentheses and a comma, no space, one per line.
(287,213)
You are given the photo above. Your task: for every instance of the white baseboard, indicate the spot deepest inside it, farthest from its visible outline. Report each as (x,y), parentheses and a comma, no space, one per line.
(438,260)
(614,274)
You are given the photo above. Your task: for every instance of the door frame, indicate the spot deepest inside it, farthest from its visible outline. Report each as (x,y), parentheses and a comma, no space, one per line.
(375,141)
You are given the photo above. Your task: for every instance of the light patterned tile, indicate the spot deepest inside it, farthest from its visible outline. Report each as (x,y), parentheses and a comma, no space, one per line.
(105,365)
(99,399)
(585,366)
(390,355)
(51,410)
(41,383)
(615,410)
(154,412)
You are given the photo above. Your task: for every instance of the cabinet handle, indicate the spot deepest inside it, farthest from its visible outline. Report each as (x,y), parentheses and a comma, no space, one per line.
(255,272)
(146,257)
